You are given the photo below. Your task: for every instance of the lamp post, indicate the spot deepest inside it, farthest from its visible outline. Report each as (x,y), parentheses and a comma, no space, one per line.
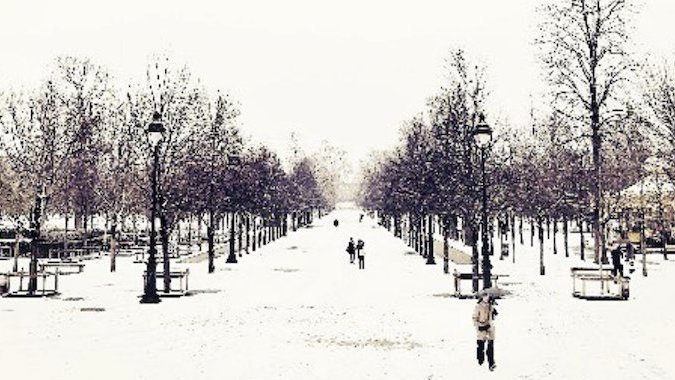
(35,241)
(155,134)
(232,257)
(482,135)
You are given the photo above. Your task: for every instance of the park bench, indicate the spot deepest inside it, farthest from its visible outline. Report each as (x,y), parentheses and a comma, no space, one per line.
(70,253)
(142,255)
(460,276)
(670,249)
(42,291)
(130,251)
(180,275)
(71,267)
(92,250)
(599,284)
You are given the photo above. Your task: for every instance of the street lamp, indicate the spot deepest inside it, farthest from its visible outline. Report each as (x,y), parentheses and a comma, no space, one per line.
(482,136)
(38,211)
(155,134)
(232,160)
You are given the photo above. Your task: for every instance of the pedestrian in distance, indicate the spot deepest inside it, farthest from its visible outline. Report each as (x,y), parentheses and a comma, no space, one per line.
(351,249)
(336,223)
(630,256)
(483,319)
(360,253)
(617,254)
(457,282)
(362,258)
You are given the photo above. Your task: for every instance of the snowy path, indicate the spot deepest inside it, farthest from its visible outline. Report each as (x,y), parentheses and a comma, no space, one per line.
(297,309)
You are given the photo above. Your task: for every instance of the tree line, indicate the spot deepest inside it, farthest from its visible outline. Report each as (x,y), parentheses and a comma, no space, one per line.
(603,115)
(76,146)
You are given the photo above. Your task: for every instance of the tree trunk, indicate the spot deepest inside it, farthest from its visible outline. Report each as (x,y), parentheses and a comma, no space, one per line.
(264,232)
(409,226)
(231,257)
(431,260)
(240,228)
(85,239)
(418,240)
(284,226)
(17,250)
(446,247)
(248,232)
(531,232)
(210,235)
(65,234)
(254,239)
(501,231)
(566,236)
(542,268)
(513,238)
(555,235)
(423,235)
(199,231)
(190,232)
(164,236)
(113,244)
(583,241)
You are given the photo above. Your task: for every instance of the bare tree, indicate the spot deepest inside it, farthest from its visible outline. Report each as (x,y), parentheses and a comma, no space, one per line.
(583,45)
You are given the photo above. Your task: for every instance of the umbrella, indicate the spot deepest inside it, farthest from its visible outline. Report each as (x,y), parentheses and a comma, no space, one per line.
(493,292)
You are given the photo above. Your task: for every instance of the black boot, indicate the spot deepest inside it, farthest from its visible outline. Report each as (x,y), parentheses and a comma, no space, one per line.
(491,354)
(480,351)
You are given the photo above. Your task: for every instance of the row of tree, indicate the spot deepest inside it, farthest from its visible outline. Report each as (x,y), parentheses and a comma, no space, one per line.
(77,147)
(604,118)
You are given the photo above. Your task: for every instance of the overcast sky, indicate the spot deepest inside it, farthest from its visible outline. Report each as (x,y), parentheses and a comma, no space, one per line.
(347,71)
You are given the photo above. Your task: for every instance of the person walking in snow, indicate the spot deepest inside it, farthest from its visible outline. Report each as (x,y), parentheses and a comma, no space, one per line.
(361,253)
(483,319)
(616,262)
(351,249)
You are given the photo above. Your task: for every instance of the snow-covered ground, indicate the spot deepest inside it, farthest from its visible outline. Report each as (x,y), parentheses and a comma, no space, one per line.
(297,309)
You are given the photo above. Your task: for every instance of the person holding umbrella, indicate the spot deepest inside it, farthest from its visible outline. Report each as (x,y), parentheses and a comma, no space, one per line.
(483,319)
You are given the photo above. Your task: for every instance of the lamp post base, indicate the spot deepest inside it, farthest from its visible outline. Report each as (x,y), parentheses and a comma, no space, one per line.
(431,260)
(150,298)
(231,259)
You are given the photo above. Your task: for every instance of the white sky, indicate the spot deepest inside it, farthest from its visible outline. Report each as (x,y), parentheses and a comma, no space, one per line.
(346,71)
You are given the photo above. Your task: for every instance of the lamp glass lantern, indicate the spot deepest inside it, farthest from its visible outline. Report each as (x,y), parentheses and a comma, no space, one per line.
(156,129)
(482,134)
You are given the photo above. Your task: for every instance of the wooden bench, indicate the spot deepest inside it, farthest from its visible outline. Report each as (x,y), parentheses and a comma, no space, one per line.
(459,276)
(611,287)
(142,256)
(130,251)
(41,291)
(79,267)
(60,253)
(670,249)
(93,250)
(174,274)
